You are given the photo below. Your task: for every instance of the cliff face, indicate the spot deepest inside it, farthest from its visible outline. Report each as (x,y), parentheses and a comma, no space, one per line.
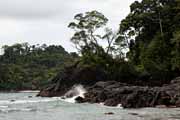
(112,93)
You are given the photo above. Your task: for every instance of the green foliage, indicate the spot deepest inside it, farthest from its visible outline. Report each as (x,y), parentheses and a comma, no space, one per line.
(176,51)
(122,71)
(151,29)
(87,41)
(151,33)
(85,26)
(30,67)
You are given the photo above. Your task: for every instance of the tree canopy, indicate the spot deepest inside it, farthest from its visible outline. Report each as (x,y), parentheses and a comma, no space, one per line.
(146,46)
(24,66)
(152,30)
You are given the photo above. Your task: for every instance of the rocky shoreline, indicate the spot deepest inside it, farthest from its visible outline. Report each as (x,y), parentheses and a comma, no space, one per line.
(112,93)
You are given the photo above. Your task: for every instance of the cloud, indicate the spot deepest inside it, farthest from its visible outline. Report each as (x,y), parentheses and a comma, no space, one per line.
(29,8)
(45,21)
(50,8)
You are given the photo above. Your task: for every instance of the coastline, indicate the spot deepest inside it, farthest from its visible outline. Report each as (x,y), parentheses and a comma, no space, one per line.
(112,93)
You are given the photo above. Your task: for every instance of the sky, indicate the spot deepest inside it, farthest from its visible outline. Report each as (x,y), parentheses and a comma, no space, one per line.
(46,21)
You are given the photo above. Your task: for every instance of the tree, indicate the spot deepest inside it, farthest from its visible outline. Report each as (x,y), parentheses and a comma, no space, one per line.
(176,51)
(149,29)
(24,66)
(85,26)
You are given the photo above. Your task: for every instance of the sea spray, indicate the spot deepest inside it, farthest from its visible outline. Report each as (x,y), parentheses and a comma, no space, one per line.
(76,91)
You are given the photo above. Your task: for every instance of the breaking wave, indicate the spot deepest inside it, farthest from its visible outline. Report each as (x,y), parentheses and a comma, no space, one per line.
(76,91)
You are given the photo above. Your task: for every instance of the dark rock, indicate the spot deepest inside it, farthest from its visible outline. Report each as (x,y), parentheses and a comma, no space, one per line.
(131,94)
(111,102)
(133,113)
(102,96)
(177,103)
(114,93)
(176,80)
(71,75)
(139,98)
(109,113)
(79,99)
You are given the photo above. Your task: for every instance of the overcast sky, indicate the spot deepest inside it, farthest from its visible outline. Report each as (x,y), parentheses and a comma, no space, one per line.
(46,21)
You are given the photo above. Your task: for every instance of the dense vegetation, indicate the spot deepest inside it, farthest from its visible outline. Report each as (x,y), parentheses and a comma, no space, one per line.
(153,28)
(150,33)
(24,66)
(137,65)
(146,47)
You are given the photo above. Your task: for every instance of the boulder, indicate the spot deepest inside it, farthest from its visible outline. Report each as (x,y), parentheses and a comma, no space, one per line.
(109,113)
(79,99)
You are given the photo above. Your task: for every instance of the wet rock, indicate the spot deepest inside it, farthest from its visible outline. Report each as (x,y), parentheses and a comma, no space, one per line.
(136,94)
(111,102)
(12,100)
(177,103)
(114,93)
(133,113)
(176,80)
(109,113)
(79,99)
(44,93)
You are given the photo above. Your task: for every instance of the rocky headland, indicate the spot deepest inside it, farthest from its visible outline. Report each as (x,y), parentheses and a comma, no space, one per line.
(136,94)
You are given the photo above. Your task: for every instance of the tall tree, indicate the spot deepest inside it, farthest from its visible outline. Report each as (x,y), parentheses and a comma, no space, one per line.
(85,26)
(149,30)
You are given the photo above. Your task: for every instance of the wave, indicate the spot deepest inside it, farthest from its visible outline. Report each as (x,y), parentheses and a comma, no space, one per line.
(3,106)
(29,91)
(9,102)
(118,106)
(70,96)
(76,91)
(7,110)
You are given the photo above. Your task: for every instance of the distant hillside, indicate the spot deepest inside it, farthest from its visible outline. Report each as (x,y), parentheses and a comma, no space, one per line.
(24,66)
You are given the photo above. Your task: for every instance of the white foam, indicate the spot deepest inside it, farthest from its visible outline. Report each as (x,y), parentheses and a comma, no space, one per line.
(7,110)
(7,102)
(118,106)
(3,106)
(70,100)
(29,91)
(76,91)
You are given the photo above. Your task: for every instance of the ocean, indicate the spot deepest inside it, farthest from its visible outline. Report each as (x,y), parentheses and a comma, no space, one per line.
(26,106)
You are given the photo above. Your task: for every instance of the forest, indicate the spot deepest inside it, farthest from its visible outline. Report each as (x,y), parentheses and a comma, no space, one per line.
(146,47)
(30,67)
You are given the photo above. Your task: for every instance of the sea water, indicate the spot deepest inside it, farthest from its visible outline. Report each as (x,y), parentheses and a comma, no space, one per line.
(26,106)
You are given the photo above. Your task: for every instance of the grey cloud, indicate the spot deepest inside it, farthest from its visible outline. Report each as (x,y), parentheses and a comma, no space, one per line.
(51,8)
(31,8)
(45,21)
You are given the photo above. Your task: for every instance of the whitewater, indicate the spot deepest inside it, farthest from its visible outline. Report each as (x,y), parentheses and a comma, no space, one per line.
(26,106)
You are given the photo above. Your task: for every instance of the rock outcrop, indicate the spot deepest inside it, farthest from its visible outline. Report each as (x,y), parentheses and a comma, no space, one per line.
(113,93)
(76,74)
